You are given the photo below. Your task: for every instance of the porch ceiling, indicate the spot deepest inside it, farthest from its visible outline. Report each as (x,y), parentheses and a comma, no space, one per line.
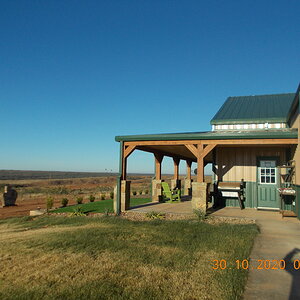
(177,151)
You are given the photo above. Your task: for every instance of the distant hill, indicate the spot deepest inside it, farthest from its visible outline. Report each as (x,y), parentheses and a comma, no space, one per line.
(23,175)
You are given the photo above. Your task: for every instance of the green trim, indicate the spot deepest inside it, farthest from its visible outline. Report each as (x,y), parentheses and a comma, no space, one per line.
(296,208)
(118,198)
(259,158)
(214,135)
(250,196)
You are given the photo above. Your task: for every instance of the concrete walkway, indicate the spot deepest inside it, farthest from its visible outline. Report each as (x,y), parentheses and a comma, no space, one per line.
(279,239)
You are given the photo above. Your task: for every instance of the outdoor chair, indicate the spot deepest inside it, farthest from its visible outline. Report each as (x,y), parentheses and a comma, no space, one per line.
(173,196)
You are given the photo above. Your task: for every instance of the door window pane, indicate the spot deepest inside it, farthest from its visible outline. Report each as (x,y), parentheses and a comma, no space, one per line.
(267,171)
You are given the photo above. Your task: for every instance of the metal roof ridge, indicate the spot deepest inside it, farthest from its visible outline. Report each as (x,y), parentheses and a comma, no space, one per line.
(259,95)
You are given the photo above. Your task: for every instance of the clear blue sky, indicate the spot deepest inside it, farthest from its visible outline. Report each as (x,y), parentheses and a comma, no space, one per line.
(74,74)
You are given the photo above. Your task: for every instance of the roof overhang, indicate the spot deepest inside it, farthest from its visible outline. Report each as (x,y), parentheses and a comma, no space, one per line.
(289,133)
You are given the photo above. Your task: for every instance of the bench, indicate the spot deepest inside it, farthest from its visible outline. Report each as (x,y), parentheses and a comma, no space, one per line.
(232,190)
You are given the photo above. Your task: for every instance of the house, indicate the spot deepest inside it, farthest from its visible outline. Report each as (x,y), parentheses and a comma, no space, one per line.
(254,138)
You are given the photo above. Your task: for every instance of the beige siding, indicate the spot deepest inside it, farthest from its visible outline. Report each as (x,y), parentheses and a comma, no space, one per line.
(235,163)
(297,153)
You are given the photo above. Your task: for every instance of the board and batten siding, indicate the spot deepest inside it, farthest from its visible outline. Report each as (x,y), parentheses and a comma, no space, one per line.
(236,163)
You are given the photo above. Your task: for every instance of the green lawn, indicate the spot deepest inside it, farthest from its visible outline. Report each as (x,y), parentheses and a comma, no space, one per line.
(56,257)
(99,206)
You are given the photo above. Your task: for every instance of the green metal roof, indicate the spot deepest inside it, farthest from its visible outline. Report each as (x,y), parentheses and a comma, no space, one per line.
(214,135)
(255,109)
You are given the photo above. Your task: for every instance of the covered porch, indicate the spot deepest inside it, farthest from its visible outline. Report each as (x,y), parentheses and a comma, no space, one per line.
(201,148)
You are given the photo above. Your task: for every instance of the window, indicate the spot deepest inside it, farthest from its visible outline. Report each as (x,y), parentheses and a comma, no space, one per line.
(267,171)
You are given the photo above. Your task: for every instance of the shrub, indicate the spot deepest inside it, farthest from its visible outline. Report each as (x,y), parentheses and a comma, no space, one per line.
(49,203)
(155,215)
(111,195)
(92,198)
(79,200)
(140,192)
(78,212)
(201,214)
(64,202)
(134,193)
(103,197)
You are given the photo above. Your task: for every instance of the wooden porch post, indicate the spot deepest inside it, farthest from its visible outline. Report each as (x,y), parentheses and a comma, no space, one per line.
(188,169)
(200,163)
(158,161)
(125,184)
(124,168)
(176,168)
(188,179)
(156,183)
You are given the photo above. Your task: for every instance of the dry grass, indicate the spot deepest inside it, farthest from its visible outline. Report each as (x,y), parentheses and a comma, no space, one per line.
(113,258)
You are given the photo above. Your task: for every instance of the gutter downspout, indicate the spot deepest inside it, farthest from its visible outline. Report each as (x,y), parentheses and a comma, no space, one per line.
(118,206)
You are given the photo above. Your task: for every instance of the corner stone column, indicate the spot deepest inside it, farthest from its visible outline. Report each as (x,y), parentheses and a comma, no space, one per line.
(175,183)
(156,190)
(188,187)
(115,197)
(125,195)
(199,196)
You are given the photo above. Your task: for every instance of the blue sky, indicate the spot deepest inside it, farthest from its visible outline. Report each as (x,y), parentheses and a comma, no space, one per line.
(74,74)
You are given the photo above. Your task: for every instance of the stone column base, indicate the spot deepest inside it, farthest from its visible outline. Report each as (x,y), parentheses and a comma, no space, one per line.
(156,190)
(125,195)
(188,187)
(199,196)
(115,198)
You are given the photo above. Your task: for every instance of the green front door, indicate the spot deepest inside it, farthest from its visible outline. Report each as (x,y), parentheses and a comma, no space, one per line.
(268,196)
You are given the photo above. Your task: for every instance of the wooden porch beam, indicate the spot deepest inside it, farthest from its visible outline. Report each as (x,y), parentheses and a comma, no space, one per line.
(208,149)
(218,142)
(193,149)
(128,150)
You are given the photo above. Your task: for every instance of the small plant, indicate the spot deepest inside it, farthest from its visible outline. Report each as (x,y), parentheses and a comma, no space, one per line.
(49,203)
(134,193)
(64,202)
(201,214)
(155,215)
(103,197)
(79,200)
(78,212)
(107,211)
(111,195)
(140,192)
(92,198)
